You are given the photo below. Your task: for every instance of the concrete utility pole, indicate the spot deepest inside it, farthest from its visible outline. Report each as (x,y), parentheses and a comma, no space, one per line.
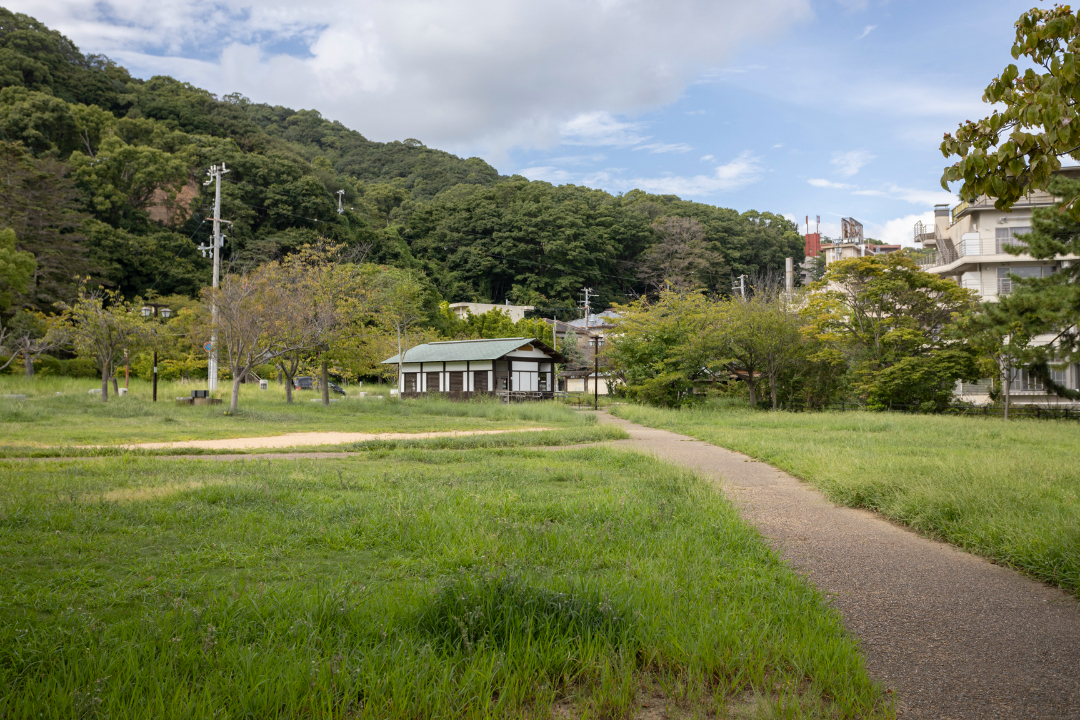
(789,277)
(596,373)
(340,197)
(739,287)
(215,172)
(588,306)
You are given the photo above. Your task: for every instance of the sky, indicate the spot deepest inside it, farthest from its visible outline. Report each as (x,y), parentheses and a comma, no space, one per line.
(798,107)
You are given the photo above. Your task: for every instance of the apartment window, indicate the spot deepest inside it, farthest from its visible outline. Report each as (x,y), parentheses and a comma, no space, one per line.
(433,382)
(1006,236)
(1022,379)
(1061,377)
(1005,275)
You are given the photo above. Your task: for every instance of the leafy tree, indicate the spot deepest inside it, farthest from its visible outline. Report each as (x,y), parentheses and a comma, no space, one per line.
(16,269)
(666,349)
(400,298)
(570,347)
(39,203)
(101,325)
(252,311)
(30,335)
(893,322)
(1017,149)
(681,258)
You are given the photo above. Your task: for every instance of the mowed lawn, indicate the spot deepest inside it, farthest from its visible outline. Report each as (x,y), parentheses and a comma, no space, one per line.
(59,412)
(1005,490)
(409,583)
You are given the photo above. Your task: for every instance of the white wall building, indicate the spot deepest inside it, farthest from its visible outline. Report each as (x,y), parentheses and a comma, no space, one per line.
(462,368)
(966,244)
(516,312)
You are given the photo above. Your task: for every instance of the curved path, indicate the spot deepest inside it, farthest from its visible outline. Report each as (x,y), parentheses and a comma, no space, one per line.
(954,635)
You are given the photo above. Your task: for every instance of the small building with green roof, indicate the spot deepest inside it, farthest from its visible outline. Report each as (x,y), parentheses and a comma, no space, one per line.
(512,367)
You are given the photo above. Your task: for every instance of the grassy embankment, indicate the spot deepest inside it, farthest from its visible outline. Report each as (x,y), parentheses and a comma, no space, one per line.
(403,583)
(1007,491)
(48,423)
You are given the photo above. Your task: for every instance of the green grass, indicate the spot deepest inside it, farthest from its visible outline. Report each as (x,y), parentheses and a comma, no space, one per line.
(405,583)
(59,412)
(1007,491)
(540,438)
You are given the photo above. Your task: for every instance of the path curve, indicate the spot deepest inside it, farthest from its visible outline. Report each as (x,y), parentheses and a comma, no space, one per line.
(308,439)
(953,634)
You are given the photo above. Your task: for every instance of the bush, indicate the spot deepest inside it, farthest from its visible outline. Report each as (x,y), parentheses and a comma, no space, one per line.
(80,367)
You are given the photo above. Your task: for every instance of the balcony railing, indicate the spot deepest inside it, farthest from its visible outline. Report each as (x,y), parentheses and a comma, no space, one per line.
(1005,286)
(1002,243)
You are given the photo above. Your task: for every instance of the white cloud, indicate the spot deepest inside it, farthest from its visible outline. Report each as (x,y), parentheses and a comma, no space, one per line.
(915,196)
(866,31)
(459,74)
(899,231)
(822,183)
(600,128)
(777,146)
(665,147)
(706,158)
(850,162)
(742,171)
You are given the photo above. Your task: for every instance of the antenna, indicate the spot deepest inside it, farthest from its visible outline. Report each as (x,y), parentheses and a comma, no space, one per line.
(817,228)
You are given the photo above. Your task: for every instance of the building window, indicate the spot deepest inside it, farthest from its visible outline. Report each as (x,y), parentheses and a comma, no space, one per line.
(542,382)
(480,378)
(433,382)
(410,382)
(1005,275)
(1007,237)
(457,381)
(1022,379)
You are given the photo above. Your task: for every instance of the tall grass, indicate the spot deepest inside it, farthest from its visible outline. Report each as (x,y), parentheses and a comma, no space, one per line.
(59,411)
(1005,490)
(404,583)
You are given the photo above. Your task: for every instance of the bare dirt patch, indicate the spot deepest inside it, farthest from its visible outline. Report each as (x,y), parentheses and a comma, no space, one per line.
(310,438)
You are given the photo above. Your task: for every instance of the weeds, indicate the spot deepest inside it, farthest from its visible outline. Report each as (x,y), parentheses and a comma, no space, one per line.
(403,583)
(1006,491)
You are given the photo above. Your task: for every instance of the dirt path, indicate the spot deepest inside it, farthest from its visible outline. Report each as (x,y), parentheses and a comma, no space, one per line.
(311,438)
(954,635)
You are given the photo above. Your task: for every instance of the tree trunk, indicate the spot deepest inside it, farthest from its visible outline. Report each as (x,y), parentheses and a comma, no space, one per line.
(400,382)
(1008,385)
(115,386)
(325,382)
(104,382)
(234,404)
(772,389)
(288,383)
(753,395)
(28,363)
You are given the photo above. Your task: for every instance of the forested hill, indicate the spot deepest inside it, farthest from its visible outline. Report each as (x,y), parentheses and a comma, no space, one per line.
(104,178)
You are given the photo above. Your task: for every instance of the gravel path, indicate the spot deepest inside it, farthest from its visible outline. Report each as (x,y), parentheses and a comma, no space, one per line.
(954,635)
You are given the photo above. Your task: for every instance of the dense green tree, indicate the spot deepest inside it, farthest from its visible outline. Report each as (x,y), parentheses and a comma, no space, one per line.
(1017,149)
(16,269)
(894,324)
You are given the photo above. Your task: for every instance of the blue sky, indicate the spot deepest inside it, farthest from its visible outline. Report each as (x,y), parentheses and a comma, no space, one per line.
(800,107)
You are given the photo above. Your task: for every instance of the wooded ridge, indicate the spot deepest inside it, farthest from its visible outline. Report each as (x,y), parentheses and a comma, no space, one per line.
(104,179)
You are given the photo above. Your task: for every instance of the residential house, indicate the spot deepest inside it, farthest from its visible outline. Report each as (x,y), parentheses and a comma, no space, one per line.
(463,309)
(515,367)
(967,244)
(844,250)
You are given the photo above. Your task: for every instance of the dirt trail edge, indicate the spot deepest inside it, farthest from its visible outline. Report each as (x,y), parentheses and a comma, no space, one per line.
(953,634)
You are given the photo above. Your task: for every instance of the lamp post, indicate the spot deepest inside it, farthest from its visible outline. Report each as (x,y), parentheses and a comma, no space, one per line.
(155,309)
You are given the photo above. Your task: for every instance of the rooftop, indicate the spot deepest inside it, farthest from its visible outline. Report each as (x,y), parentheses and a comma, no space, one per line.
(463,350)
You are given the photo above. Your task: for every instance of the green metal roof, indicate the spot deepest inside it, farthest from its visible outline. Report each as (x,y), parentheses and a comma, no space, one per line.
(462,350)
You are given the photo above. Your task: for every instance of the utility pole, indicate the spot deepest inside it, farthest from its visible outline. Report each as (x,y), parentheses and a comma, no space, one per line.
(596,372)
(215,172)
(789,277)
(739,287)
(340,197)
(588,306)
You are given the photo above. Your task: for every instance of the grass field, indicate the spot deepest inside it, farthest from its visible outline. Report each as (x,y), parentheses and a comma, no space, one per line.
(59,412)
(1008,491)
(403,583)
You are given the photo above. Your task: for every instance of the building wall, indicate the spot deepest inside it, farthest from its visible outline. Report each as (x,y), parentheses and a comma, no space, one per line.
(516,312)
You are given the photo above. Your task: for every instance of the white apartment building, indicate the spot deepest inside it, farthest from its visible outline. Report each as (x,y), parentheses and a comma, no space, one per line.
(966,244)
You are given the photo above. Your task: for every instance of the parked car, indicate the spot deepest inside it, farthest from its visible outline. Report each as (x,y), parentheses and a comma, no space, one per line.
(305,382)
